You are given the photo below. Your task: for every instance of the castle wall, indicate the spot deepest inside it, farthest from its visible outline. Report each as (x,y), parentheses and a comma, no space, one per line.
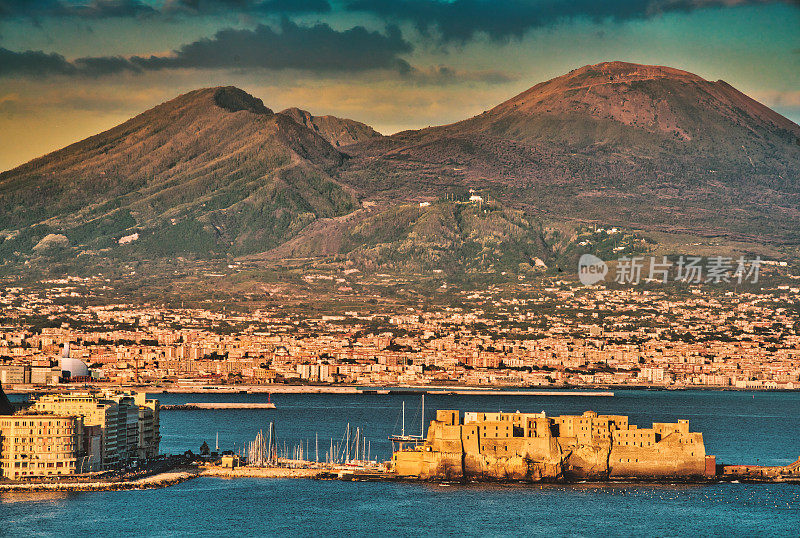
(585,460)
(522,446)
(674,456)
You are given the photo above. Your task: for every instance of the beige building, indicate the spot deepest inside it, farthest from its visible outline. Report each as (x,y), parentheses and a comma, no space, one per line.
(149,430)
(15,374)
(36,445)
(127,424)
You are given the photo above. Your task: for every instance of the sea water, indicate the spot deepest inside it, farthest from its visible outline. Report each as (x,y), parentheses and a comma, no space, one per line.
(738,427)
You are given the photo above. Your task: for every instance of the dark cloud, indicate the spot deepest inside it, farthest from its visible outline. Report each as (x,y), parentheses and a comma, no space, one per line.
(106,9)
(103,9)
(452,20)
(94,9)
(252,7)
(460,20)
(314,48)
(317,48)
(11,8)
(33,63)
(104,65)
(297,6)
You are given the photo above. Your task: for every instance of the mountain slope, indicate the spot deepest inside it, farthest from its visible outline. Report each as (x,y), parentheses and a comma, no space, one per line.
(634,145)
(444,236)
(654,99)
(211,171)
(337,131)
(215,173)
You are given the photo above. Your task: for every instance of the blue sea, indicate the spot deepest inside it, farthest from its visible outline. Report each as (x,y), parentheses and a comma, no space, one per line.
(738,427)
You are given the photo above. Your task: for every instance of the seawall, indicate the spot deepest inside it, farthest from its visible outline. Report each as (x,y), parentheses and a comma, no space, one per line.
(161,480)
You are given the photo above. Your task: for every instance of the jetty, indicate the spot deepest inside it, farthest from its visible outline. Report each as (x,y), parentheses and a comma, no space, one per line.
(493,392)
(218,405)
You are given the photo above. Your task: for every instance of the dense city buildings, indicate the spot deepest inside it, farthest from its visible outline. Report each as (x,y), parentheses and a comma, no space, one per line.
(556,334)
(125,426)
(78,432)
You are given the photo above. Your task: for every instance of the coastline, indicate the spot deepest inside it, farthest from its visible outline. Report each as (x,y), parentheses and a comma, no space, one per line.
(555,390)
(183,474)
(160,480)
(323,389)
(261,472)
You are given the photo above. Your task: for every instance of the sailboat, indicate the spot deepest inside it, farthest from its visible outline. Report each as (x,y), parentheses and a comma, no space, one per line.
(404,438)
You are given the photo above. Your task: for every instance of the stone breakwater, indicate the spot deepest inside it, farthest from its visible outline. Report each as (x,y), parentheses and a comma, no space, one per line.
(262,472)
(156,481)
(166,479)
(195,406)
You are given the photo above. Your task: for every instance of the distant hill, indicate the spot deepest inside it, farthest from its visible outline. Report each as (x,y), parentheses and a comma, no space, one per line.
(445,236)
(337,131)
(634,145)
(211,172)
(215,173)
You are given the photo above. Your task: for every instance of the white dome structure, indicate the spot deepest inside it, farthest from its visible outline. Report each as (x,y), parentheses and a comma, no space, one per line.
(75,367)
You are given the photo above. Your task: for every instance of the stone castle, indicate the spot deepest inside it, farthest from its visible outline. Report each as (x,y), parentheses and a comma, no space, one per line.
(533,446)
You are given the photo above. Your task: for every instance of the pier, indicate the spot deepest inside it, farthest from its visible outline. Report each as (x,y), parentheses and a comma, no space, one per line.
(379,390)
(218,405)
(490,392)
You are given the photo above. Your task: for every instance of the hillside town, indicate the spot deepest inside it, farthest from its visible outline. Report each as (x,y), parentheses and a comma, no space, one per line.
(561,335)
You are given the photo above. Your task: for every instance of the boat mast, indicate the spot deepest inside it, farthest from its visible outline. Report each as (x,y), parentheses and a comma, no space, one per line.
(347,444)
(422,428)
(404,419)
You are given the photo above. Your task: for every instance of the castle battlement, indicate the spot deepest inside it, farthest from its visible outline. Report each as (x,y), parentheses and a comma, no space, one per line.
(534,446)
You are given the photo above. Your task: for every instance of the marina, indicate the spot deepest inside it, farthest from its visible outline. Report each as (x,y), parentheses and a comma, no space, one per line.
(737,428)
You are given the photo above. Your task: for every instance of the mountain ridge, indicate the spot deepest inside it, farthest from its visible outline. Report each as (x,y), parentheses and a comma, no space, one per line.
(645,147)
(213,164)
(215,172)
(337,131)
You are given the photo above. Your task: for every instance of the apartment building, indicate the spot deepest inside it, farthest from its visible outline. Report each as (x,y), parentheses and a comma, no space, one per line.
(38,445)
(125,425)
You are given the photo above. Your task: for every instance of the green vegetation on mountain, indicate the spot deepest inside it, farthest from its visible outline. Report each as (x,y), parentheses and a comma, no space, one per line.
(629,145)
(209,173)
(216,175)
(448,237)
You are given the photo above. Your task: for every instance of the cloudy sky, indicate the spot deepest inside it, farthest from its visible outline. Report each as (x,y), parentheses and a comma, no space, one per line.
(72,68)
